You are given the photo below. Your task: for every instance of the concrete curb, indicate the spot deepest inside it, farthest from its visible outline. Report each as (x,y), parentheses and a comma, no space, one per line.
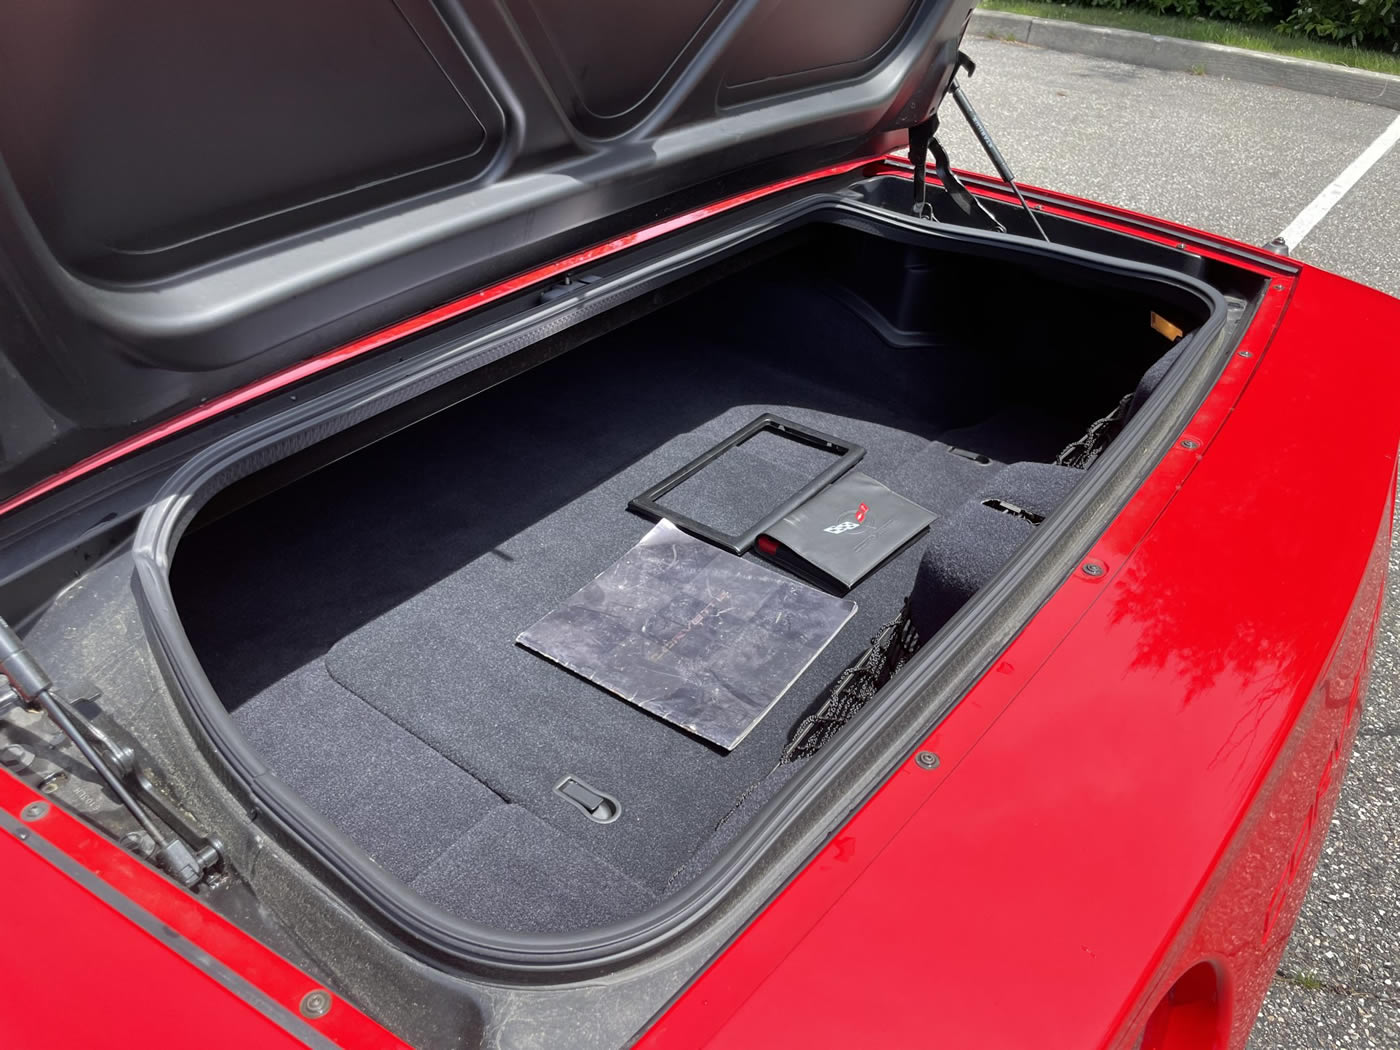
(1165,52)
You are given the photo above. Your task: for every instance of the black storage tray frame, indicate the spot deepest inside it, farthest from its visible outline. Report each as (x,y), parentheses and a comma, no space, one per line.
(649,502)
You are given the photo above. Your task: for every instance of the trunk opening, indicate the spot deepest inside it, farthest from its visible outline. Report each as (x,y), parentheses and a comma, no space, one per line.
(358,623)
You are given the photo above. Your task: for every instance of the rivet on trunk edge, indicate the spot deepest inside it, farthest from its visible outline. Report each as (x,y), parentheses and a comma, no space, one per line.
(1246,353)
(316,1003)
(926,760)
(34,811)
(1092,568)
(1190,443)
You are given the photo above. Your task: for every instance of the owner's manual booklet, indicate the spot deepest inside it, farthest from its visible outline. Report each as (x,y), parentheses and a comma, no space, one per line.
(693,634)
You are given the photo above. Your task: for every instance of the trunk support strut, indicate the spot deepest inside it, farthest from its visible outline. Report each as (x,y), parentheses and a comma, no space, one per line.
(922,141)
(114,764)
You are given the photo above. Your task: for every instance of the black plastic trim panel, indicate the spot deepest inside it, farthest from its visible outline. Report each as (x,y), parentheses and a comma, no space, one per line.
(649,502)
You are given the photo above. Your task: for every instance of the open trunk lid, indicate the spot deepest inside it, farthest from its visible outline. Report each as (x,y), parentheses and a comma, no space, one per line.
(194,198)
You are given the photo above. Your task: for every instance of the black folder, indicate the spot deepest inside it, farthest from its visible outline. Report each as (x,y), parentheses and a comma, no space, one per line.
(844,532)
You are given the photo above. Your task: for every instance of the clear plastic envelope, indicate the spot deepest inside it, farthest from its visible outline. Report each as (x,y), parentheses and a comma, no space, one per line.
(695,635)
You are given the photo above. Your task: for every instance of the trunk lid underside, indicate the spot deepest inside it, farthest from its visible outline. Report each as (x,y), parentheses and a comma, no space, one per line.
(191,199)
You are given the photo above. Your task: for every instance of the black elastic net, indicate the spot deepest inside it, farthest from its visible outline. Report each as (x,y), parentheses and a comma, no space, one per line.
(1081,452)
(889,650)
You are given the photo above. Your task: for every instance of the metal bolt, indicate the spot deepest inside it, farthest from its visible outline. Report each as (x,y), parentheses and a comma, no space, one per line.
(1092,568)
(316,1003)
(138,842)
(1190,443)
(1278,287)
(926,760)
(1246,353)
(34,811)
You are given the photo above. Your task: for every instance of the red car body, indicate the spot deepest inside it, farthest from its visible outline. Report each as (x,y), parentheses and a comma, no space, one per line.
(1105,844)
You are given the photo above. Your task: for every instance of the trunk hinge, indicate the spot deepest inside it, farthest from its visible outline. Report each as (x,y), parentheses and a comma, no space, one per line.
(921,142)
(23,677)
(920,135)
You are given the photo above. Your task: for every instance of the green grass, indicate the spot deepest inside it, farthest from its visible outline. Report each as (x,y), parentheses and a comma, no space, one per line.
(1305,980)
(1250,37)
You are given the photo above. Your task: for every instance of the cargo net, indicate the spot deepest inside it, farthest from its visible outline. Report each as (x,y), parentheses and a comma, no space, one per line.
(889,650)
(1083,451)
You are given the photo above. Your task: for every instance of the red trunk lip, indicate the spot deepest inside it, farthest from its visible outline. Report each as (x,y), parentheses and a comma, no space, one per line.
(160,916)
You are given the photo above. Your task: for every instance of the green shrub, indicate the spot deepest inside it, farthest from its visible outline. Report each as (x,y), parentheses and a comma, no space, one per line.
(1354,22)
(1357,23)
(1160,7)
(1241,10)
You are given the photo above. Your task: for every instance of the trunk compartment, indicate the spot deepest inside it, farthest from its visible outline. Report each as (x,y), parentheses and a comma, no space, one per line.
(358,622)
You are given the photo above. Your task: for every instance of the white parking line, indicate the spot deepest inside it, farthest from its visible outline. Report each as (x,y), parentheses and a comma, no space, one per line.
(1324,201)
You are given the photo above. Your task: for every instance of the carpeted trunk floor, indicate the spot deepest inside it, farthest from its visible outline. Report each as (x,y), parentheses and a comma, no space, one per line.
(360,623)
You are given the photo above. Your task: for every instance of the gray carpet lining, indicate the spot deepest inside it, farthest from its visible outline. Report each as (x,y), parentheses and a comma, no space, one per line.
(966,549)
(521,724)
(360,623)
(487,874)
(371,778)
(754,799)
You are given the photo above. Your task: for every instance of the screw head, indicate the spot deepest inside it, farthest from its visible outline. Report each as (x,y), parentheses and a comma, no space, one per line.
(1278,287)
(1092,568)
(926,760)
(1246,353)
(34,811)
(1190,443)
(138,842)
(316,1003)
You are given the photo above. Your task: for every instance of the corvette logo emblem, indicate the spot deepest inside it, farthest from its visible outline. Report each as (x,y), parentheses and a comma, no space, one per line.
(847,526)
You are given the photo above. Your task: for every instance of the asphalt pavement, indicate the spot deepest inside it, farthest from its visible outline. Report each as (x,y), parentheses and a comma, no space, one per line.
(1244,160)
